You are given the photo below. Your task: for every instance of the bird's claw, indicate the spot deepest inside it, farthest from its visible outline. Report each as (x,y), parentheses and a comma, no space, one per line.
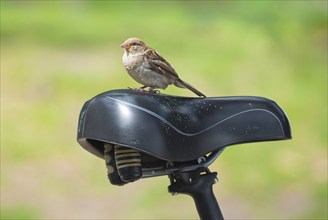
(156,91)
(137,89)
(144,89)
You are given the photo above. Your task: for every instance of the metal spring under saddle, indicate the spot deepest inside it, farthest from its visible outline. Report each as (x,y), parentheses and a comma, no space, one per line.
(128,163)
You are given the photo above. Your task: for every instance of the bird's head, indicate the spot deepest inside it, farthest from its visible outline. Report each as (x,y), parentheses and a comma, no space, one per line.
(133,45)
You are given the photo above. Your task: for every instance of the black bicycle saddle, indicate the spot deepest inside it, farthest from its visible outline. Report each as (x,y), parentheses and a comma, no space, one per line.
(177,128)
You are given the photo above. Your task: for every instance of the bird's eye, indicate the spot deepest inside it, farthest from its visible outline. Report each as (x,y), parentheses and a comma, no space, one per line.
(134,44)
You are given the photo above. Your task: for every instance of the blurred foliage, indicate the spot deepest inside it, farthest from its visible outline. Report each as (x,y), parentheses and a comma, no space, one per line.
(56,55)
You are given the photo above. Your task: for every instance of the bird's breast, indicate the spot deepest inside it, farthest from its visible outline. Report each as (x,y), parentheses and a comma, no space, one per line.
(131,61)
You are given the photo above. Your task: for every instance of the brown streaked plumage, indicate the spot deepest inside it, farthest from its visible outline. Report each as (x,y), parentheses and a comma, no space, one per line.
(149,68)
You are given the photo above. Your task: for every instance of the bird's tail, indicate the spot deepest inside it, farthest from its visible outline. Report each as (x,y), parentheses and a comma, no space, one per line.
(182,84)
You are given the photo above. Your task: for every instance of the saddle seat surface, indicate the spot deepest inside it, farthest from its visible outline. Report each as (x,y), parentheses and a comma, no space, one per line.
(177,128)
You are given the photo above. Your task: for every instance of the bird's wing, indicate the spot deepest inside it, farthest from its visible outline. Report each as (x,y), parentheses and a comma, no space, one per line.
(160,65)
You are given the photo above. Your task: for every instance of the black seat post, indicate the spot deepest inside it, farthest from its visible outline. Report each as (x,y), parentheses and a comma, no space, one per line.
(199,187)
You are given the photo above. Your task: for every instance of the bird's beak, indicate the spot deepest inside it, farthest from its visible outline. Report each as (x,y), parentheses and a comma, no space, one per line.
(125,45)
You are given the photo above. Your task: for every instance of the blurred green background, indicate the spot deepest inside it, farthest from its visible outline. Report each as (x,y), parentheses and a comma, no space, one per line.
(56,55)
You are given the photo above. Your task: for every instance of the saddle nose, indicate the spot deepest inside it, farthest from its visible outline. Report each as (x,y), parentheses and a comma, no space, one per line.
(178,128)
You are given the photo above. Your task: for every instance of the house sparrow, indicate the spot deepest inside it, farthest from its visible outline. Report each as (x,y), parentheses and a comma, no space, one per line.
(149,68)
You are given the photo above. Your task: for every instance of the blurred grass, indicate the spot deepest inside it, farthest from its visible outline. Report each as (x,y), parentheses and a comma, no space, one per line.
(56,55)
